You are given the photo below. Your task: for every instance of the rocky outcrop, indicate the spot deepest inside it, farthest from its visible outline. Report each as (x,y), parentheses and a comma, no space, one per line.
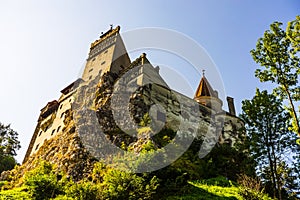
(65,150)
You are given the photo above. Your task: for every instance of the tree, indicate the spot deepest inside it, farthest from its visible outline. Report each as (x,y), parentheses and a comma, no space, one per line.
(278,54)
(293,33)
(267,124)
(9,144)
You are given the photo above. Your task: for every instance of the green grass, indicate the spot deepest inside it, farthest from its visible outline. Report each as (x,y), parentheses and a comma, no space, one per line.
(215,189)
(196,190)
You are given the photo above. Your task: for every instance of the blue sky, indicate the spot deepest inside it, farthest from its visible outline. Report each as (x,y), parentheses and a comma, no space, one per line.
(44,44)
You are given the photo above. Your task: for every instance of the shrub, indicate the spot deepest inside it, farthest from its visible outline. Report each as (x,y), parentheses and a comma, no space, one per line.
(15,194)
(122,185)
(83,190)
(42,182)
(251,188)
(250,194)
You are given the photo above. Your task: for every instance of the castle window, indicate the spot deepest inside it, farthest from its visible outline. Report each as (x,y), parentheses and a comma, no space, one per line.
(91,70)
(37,146)
(61,106)
(103,63)
(90,77)
(94,59)
(161,116)
(70,100)
(58,128)
(62,115)
(53,131)
(46,128)
(106,51)
(40,133)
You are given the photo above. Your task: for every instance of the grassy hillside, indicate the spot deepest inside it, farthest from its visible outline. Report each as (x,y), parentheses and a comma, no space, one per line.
(44,183)
(217,189)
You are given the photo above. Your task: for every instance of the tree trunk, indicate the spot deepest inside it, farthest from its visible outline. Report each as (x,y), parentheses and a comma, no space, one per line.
(293,110)
(286,89)
(272,170)
(278,185)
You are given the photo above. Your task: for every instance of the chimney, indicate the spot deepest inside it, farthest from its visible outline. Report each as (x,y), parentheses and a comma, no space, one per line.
(157,69)
(230,102)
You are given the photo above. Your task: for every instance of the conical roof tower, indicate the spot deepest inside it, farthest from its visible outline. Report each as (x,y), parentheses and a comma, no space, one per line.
(206,96)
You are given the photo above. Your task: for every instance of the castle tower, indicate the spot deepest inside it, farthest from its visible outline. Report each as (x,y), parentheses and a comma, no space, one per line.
(206,96)
(108,53)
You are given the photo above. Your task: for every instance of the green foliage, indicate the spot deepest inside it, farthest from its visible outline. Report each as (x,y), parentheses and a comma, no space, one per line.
(267,124)
(228,161)
(144,130)
(16,194)
(146,120)
(83,190)
(63,197)
(43,182)
(149,146)
(116,184)
(164,137)
(7,163)
(277,53)
(293,34)
(218,181)
(251,188)
(123,185)
(98,173)
(9,144)
(216,189)
(247,193)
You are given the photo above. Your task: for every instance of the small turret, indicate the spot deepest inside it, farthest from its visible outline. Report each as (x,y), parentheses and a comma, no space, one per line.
(206,96)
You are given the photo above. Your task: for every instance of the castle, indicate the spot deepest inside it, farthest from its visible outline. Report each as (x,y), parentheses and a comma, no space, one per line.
(109,68)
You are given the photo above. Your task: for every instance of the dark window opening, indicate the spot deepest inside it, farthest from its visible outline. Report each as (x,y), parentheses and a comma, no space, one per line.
(103,63)
(53,131)
(58,128)
(37,146)
(161,116)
